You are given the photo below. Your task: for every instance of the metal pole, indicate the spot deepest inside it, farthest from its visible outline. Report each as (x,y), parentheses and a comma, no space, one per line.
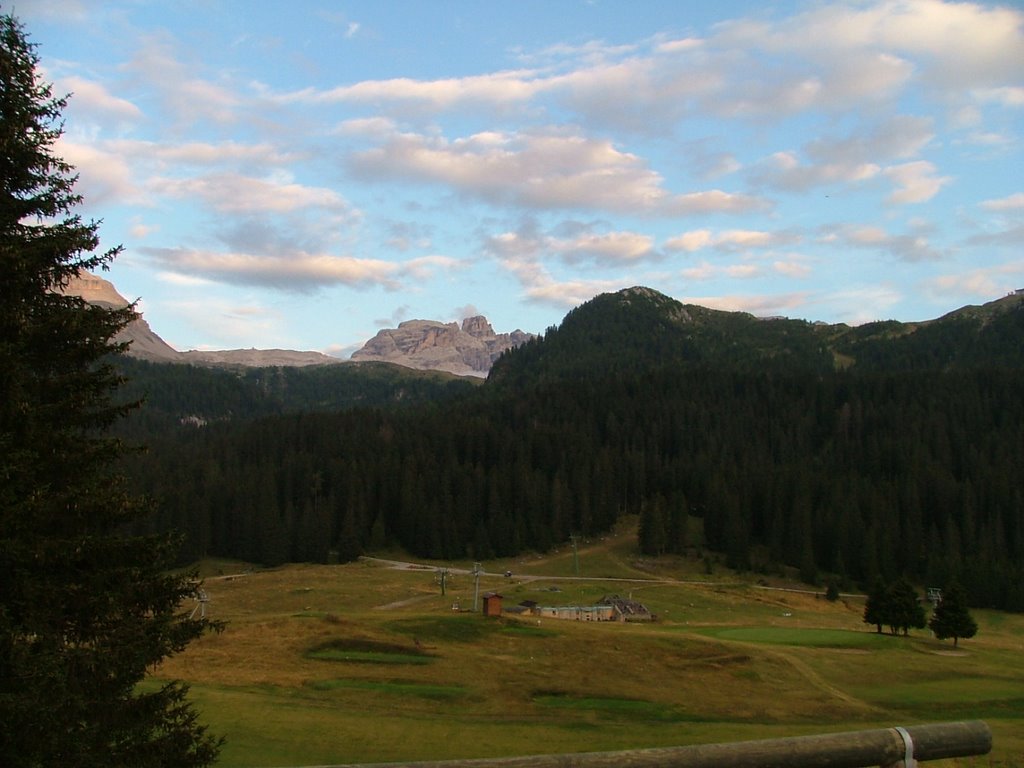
(476,585)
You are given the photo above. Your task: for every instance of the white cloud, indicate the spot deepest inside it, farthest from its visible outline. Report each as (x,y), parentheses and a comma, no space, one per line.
(370,127)
(302,272)
(742,271)
(690,241)
(984,283)
(91,98)
(954,45)
(499,88)
(785,171)
(424,267)
(105,177)
(141,230)
(731,240)
(907,247)
(223,323)
(541,170)
(793,266)
(1014,202)
(1006,96)
(234,193)
(838,56)
(760,306)
(610,248)
(207,154)
(542,289)
(915,182)
(852,159)
(189,99)
(857,304)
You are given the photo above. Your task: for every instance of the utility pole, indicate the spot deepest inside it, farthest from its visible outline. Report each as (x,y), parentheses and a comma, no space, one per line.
(476,584)
(201,600)
(442,578)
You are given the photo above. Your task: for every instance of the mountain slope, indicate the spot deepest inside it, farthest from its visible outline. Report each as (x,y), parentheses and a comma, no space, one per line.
(638,329)
(145,344)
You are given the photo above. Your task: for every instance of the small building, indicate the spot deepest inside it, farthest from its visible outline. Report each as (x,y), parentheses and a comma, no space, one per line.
(627,609)
(492,604)
(576,612)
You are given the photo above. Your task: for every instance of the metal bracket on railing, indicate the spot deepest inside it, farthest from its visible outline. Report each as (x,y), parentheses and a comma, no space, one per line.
(908,759)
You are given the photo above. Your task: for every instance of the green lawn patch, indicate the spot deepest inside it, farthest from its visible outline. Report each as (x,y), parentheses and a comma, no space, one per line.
(815,638)
(367,652)
(399,688)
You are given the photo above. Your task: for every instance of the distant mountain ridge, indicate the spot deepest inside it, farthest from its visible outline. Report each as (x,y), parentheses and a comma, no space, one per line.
(469,350)
(630,329)
(418,344)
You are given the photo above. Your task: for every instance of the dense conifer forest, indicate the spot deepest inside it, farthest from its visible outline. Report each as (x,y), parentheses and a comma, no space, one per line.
(850,454)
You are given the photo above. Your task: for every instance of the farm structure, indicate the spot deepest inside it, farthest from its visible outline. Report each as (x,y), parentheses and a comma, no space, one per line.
(609,608)
(576,612)
(492,604)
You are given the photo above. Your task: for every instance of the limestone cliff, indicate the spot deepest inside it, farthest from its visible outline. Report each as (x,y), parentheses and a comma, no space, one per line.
(469,350)
(145,344)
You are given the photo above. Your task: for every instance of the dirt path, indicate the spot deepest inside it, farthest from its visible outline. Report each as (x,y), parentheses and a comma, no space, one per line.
(403,603)
(808,673)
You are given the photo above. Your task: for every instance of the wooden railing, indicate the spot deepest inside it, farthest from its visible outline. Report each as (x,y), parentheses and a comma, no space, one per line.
(853,749)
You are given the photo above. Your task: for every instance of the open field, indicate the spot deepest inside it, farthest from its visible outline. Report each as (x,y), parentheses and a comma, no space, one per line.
(366,663)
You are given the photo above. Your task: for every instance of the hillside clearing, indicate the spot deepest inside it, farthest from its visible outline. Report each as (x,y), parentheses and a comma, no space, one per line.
(310,670)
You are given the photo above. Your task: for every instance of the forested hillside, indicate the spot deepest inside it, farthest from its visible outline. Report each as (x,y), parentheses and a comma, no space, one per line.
(842,452)
(178,395)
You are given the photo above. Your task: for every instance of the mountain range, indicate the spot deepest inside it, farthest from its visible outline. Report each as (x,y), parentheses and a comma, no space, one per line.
(469,350)
(658,327)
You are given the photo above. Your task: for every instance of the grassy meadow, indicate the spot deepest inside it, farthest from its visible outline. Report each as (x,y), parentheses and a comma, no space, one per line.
(365,662)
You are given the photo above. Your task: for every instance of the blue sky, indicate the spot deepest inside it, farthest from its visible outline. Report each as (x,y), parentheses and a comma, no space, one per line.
(302,174)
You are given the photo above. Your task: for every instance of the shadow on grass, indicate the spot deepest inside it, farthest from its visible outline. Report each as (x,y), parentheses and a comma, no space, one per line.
(615,708)
(368,652)
(396,687)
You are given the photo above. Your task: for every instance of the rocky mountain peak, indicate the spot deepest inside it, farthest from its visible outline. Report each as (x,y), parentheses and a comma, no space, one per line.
(95,290)
(477,326)
(431,345)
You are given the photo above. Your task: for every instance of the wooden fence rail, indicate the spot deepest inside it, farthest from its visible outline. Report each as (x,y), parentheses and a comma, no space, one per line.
(853,749)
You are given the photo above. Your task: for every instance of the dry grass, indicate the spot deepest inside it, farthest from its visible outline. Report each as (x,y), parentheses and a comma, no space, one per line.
(727,661)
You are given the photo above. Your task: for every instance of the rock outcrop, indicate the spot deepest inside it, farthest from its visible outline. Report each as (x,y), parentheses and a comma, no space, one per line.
(145,344)
(469,350)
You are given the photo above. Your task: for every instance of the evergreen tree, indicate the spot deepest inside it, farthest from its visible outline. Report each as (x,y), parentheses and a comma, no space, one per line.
(875,609)
(903,610)
(85,609)
(951,617)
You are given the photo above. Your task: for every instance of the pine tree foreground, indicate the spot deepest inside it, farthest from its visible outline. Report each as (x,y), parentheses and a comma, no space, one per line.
(85,611)
(951,617)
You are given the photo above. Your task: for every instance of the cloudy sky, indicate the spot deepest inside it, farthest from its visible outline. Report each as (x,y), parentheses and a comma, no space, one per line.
(302,174)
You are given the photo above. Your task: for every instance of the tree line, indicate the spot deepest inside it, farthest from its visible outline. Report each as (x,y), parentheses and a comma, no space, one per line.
(844,475)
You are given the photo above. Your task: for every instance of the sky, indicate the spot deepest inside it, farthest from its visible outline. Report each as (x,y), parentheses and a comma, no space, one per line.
(301,175)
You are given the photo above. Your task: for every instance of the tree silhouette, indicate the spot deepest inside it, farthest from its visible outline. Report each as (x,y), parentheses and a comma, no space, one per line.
(951,617)
(85,610)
